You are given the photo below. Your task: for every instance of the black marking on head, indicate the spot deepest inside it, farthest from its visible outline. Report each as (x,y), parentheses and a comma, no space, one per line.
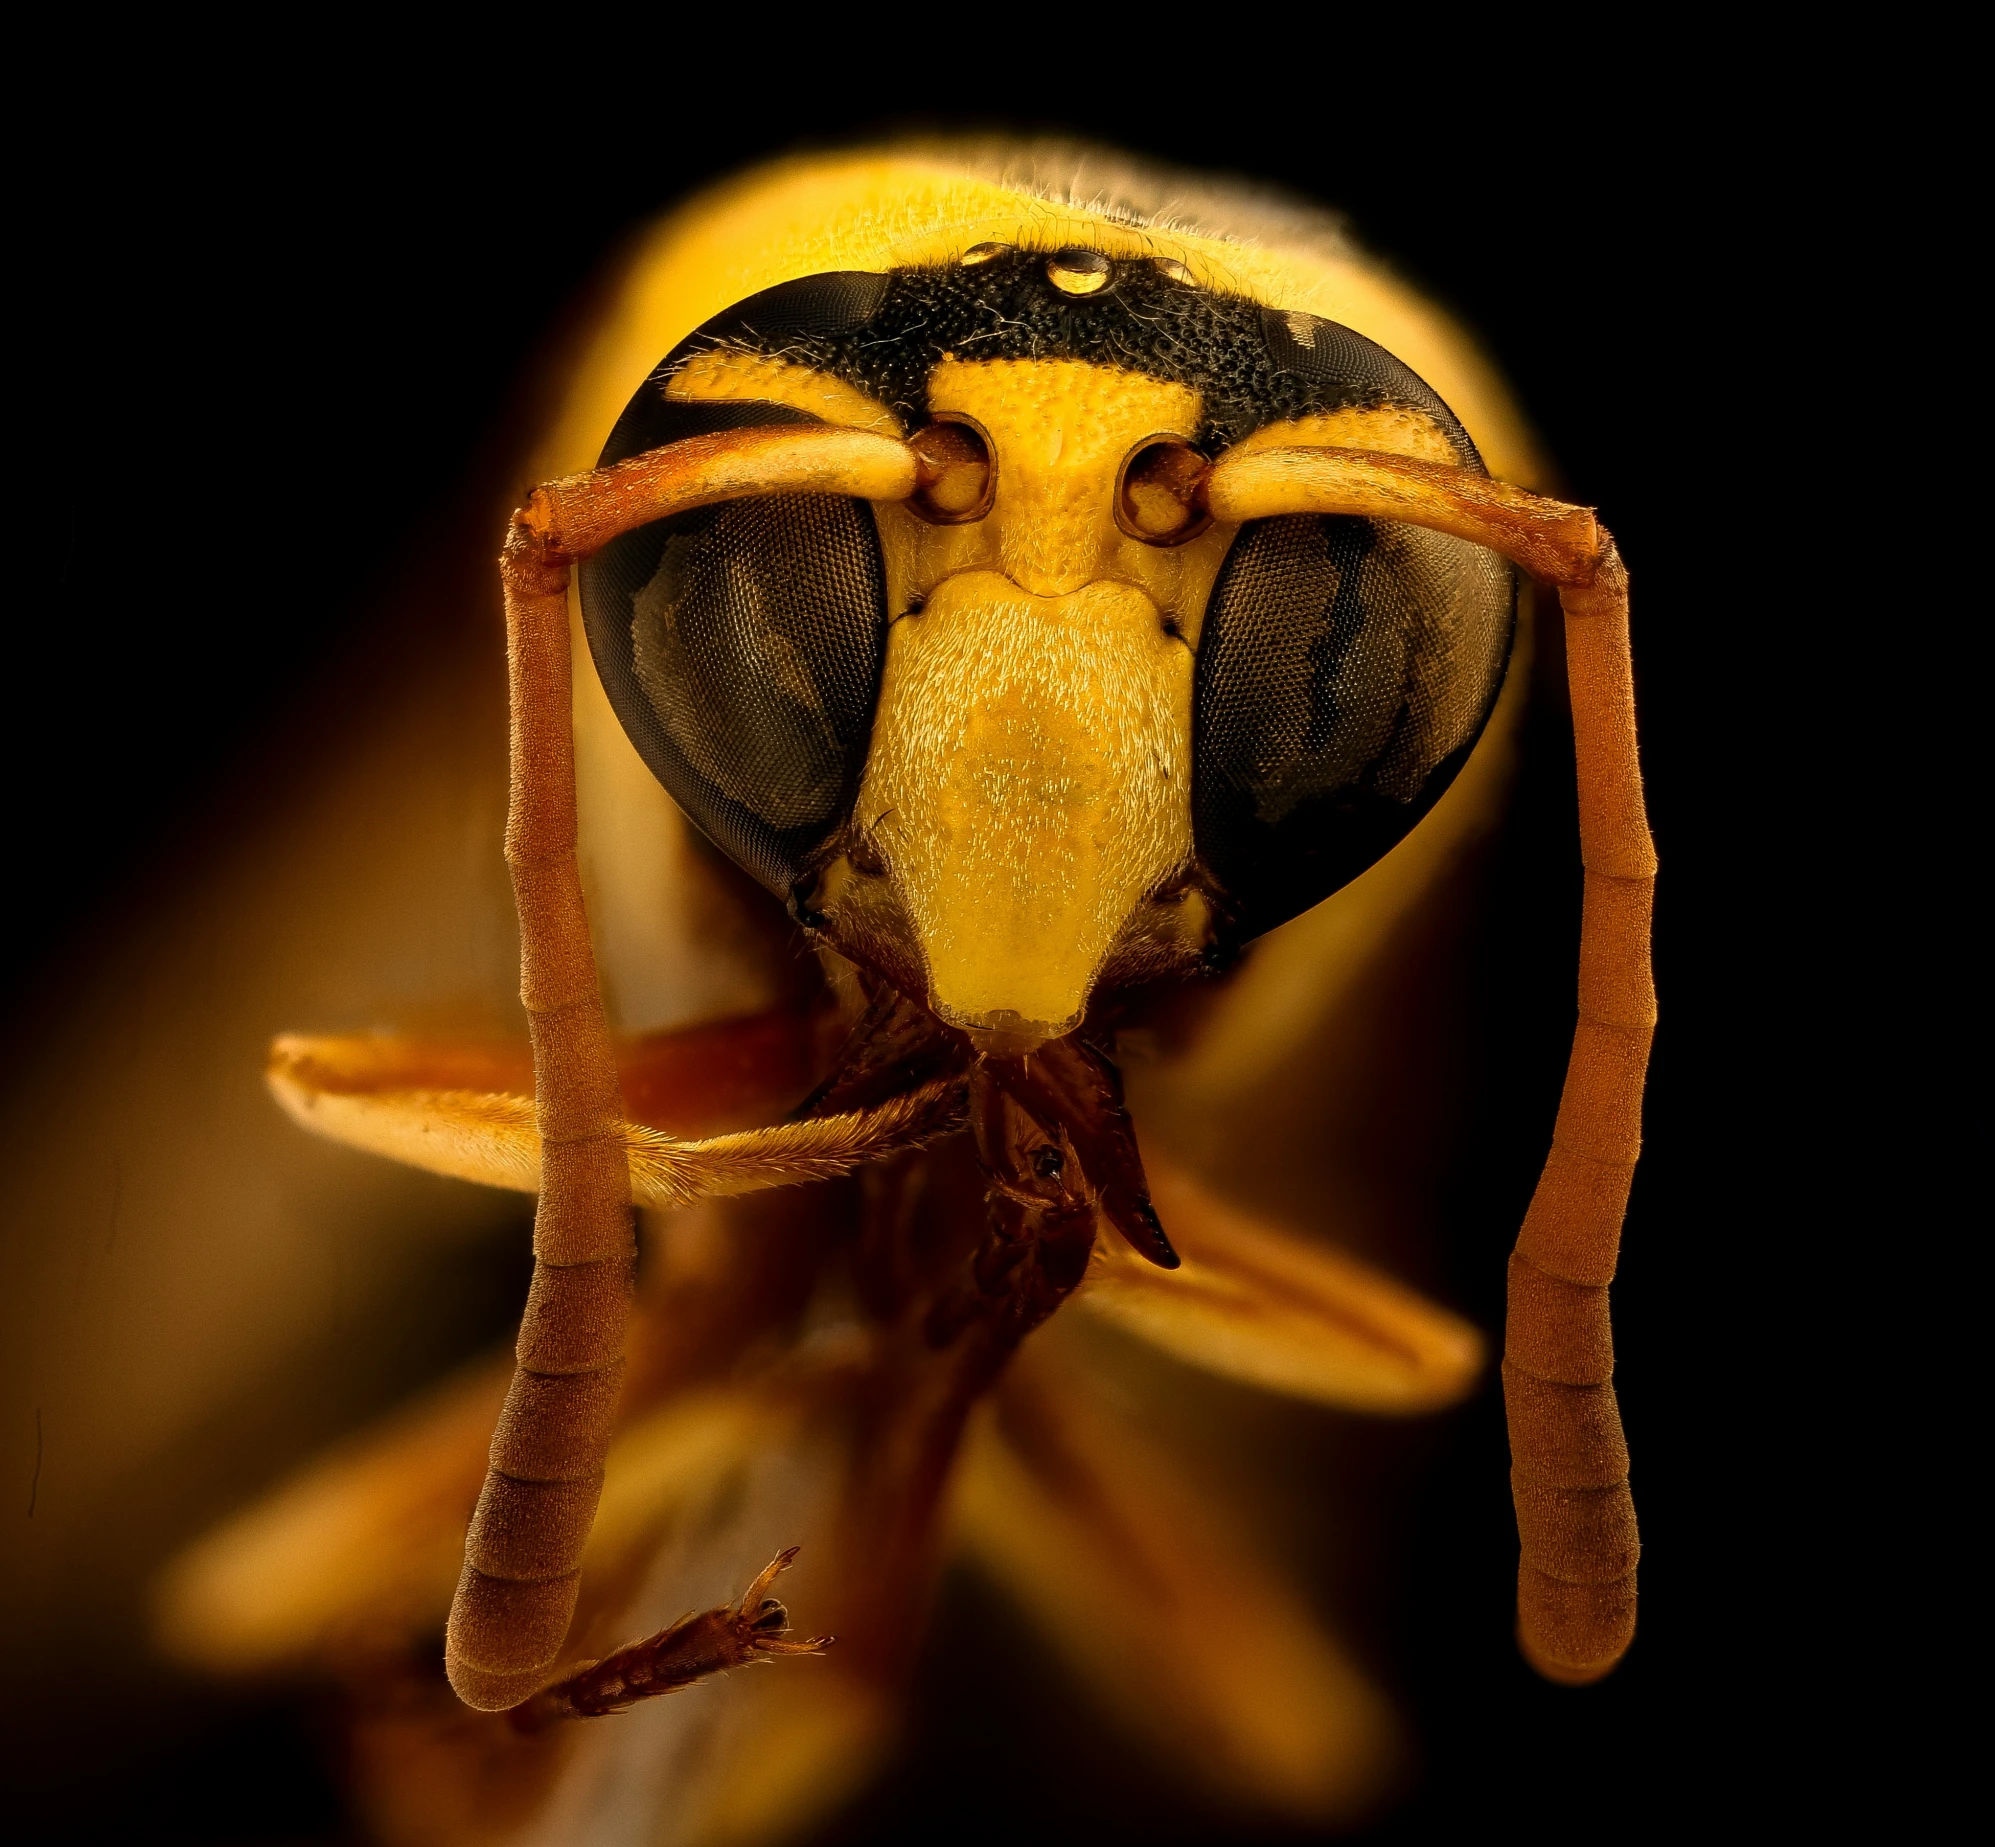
(884,335)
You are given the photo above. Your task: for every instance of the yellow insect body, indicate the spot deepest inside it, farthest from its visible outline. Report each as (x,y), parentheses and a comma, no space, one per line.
(1023,843)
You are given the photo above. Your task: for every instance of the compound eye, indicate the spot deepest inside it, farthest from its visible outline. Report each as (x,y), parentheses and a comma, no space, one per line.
(741,644)
(957,475)
(1344,671)
(1156,493)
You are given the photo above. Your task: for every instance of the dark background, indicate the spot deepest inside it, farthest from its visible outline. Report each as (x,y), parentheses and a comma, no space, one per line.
(303,314)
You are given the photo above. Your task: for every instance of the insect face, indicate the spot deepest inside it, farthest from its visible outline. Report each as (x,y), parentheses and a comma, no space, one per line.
(1046,729)
(1037,622)
(1030,773)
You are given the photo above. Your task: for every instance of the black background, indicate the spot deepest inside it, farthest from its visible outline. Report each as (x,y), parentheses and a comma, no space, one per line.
(296,306)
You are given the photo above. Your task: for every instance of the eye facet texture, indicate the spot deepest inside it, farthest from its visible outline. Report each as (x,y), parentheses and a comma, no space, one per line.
(1345,670)
(1346,667)
(740,645)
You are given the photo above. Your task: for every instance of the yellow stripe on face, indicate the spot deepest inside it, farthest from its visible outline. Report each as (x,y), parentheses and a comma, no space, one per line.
(735,378)
(1388,430)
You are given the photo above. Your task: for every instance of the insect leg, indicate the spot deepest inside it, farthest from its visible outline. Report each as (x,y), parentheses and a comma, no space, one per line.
(755,1629)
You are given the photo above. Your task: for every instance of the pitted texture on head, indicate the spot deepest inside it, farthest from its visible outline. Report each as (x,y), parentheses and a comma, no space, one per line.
(1250,364)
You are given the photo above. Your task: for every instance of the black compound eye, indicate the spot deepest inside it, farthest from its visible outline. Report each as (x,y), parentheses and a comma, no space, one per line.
(1345,670)
(1346,666)
(741,644)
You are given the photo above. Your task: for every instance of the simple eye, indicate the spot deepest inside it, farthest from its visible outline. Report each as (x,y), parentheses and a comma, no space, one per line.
(1155,492)
(958,475)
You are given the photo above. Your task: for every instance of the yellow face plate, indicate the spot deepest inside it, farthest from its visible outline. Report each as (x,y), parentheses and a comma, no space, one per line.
(1029,783)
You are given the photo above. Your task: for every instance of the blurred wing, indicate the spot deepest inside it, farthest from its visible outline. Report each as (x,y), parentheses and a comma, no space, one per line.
(1256,1303)
(367,1540)
(354,1561)
(1162,1609)
(363,1547)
